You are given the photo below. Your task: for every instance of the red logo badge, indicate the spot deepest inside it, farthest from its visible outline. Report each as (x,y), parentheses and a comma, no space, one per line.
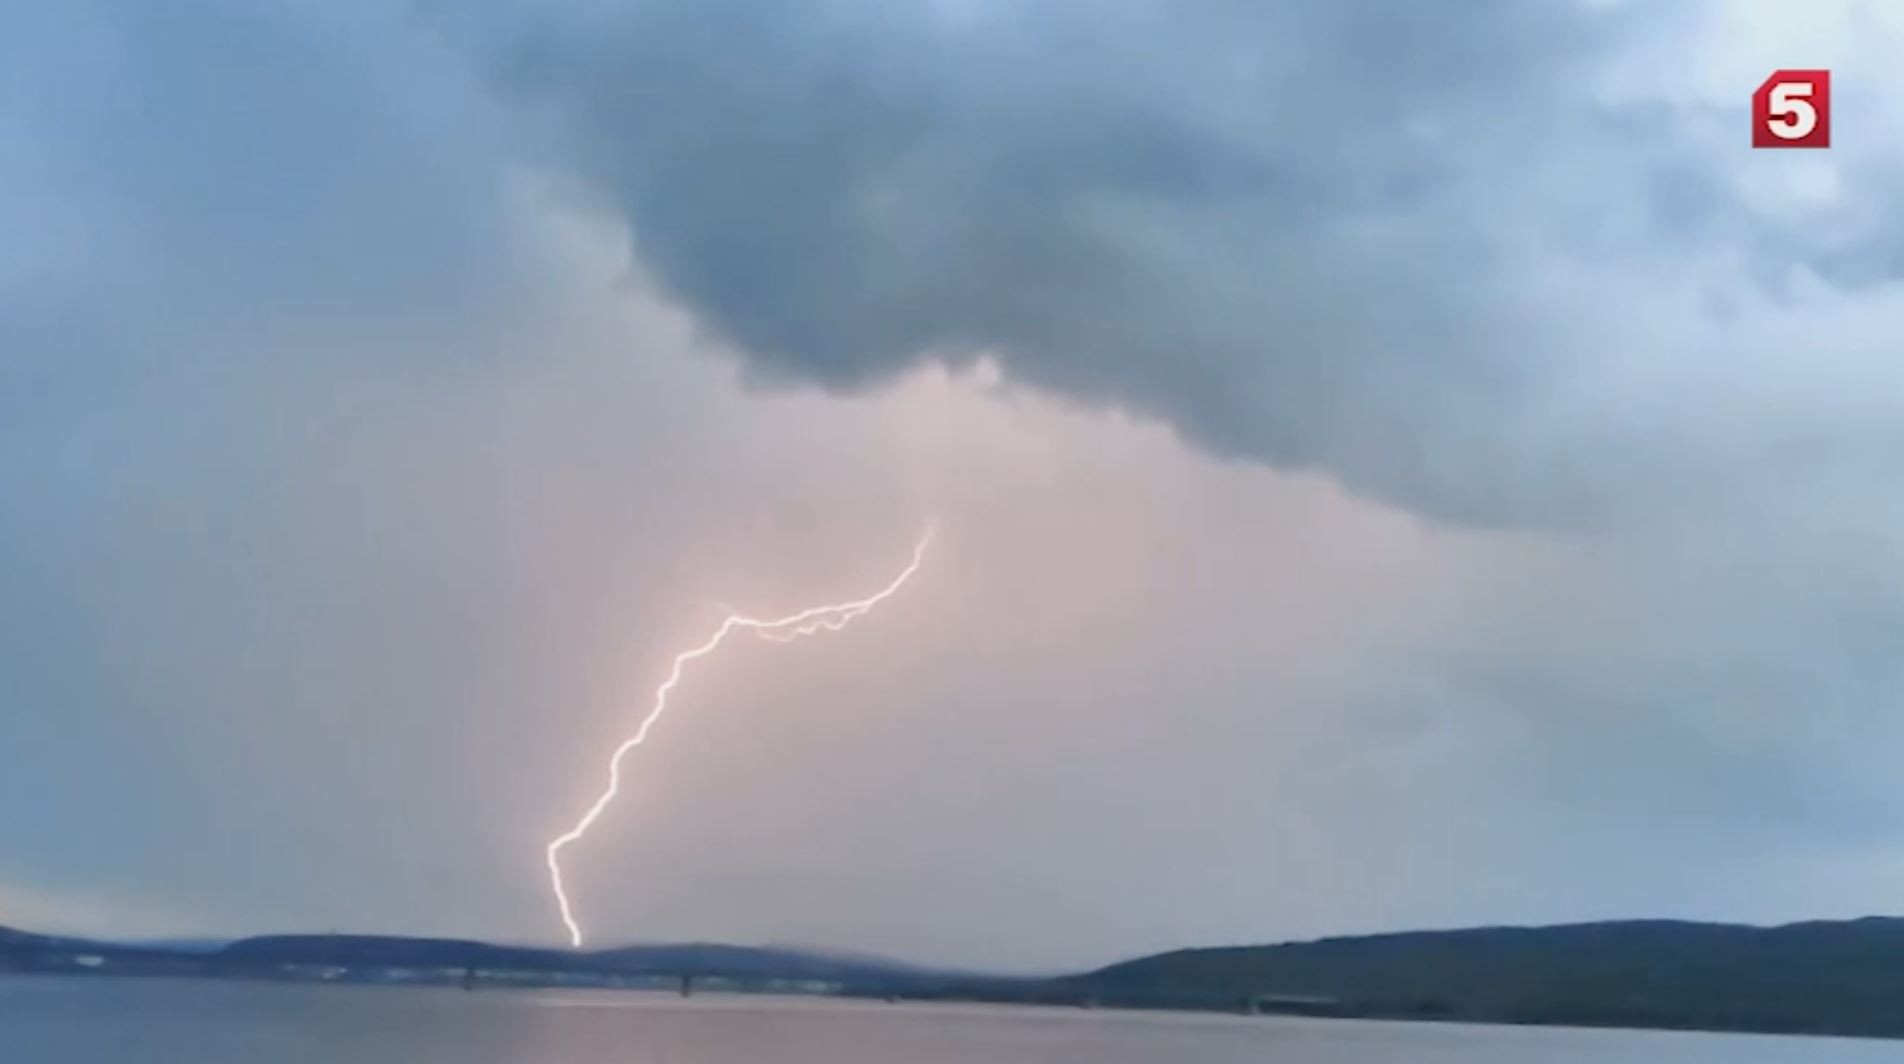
(1792,109)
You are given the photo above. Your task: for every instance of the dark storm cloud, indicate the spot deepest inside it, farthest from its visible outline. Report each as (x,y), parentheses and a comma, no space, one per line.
(1363,238)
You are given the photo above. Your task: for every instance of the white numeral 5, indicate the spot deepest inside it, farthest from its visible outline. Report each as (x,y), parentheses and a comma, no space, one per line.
(1789,101)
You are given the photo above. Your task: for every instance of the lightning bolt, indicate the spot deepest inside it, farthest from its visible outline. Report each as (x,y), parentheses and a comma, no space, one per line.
(830,618)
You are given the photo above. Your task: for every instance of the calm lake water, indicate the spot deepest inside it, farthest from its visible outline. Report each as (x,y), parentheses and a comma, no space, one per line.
(105,1021)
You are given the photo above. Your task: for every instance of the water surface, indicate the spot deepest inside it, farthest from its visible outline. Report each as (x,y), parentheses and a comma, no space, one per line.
(111,1021)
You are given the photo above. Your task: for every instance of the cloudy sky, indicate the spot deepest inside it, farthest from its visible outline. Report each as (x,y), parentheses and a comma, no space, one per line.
(1392,470)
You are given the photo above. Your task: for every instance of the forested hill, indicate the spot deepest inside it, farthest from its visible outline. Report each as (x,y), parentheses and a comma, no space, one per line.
(674,959)
(1844,977)
(393,958)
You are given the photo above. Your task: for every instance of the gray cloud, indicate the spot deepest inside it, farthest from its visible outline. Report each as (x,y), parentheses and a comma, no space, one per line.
(1368,239)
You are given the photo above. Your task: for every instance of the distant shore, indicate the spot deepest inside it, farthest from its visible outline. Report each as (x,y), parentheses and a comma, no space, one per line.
(1821,978)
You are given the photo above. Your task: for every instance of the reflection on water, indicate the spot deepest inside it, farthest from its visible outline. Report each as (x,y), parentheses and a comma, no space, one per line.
(108,1021)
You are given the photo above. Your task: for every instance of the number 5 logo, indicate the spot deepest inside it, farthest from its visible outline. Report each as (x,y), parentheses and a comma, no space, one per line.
(1792,109)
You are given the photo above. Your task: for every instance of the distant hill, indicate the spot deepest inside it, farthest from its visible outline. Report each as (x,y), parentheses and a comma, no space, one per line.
(15,941)
(1844,977)
(181,945)
(1821,977)
(12,939)
(673,959)
(760,962)
(384,951)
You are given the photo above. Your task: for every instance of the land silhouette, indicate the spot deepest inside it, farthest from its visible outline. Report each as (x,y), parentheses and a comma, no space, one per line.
(1819,977)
